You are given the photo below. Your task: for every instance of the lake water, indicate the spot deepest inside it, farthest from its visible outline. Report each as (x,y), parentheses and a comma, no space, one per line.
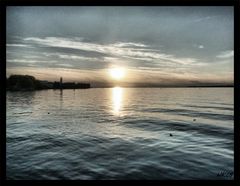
(120,133)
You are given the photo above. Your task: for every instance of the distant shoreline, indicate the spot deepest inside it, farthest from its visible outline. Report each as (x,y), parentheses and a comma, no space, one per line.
(122,87)
(171,87)
(30,83)
(230,86)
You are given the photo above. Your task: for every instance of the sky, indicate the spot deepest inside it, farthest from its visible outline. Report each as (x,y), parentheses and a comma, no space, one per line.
(154,45)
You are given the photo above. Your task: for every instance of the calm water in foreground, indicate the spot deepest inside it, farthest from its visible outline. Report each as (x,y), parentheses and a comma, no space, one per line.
(120,133)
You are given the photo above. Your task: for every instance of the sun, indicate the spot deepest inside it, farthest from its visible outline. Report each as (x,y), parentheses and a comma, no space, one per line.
(117,73)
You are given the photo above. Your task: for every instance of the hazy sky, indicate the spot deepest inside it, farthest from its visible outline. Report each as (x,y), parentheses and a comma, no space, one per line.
(154,44)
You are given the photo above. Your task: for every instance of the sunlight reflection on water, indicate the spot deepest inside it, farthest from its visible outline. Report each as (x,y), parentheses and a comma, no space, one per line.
(117,94)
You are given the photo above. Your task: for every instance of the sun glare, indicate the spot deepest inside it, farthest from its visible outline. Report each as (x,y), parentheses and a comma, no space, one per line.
(117,73)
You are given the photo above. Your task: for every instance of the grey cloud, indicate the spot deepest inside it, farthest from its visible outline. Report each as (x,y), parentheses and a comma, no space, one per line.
(226,54)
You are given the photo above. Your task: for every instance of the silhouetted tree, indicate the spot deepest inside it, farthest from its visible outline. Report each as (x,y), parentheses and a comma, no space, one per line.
(22,82)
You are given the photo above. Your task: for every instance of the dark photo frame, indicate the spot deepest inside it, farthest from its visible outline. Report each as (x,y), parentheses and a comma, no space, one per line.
(234,174)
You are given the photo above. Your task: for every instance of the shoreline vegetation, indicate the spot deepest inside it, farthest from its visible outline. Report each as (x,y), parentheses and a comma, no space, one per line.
(30,83)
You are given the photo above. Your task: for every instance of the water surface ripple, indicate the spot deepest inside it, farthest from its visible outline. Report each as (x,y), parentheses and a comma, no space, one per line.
(120,133)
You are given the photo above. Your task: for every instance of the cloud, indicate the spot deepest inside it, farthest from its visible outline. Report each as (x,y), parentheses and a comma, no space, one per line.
(19,45)
(121,44)
(27,61)
(65,65)
(226,54)
(198,46)
(70,57)
(119,49)
(204,19)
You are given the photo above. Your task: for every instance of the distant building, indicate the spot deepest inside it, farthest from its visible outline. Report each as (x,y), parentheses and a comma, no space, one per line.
(61,83)
(46,84)
(70,85)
